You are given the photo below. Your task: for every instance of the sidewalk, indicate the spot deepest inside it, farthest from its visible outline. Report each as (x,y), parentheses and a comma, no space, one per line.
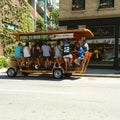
(102,72)
(91,72)
(3,70)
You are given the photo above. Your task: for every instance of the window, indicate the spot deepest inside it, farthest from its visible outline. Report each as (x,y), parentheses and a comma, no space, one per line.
(9,26)
(78,5)
(106,3)
(102,45)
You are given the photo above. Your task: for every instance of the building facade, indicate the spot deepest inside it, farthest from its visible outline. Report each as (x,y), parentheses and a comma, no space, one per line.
(15,13)
(102,18)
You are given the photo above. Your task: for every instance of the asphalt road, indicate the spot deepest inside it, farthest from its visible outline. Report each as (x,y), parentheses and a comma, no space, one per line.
(44,98)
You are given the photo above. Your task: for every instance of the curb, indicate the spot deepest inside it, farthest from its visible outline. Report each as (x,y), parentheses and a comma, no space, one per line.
(100,75)
(3,70)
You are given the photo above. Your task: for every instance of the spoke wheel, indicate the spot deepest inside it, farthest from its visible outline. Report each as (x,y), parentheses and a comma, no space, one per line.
(57,73)
(11,72)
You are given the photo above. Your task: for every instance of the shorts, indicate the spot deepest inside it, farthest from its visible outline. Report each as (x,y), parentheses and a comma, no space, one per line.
(80,58)
(46,57)
(57,56)
(68,56)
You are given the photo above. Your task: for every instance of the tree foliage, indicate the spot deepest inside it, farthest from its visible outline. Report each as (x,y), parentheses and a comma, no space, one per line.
(15,14)
(55,17)
(40,24)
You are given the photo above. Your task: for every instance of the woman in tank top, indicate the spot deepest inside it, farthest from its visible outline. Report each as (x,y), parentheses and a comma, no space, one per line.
(26,53)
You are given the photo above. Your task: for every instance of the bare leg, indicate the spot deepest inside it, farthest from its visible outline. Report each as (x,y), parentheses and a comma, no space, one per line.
(66,62)
(77,61)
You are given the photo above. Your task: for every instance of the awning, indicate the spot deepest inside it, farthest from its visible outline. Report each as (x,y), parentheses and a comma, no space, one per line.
(50,35)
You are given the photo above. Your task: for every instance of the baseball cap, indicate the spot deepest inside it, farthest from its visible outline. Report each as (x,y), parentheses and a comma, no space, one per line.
(66,40)
(77,43)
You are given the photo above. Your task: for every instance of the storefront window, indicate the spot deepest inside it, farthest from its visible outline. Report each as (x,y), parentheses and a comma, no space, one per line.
(102,45)
(78,5)
(102,49)
(106,3)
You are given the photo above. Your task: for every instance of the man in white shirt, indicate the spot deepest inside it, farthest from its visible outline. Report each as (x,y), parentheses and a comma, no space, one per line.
(85,46)
(46,54)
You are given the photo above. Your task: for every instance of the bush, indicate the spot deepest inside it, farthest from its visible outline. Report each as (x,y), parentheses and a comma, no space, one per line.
(4,62)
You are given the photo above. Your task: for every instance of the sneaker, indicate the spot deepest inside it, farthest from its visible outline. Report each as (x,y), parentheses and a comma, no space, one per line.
(78,65)
(70,68)
(60,66)
(73,64)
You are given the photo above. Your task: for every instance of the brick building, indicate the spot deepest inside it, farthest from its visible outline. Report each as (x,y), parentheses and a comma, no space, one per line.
(8,14)
(102,17)
(9,19)
(1,47)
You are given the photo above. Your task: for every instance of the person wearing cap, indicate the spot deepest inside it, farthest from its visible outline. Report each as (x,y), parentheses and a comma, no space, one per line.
(77,43)
(81,55)
(68,58)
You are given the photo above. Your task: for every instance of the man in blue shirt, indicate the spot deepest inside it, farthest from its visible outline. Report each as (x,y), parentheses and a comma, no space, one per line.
(18,50)
(81,55)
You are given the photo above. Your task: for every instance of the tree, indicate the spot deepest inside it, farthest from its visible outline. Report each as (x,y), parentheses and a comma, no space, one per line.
(54,17)
(40,25)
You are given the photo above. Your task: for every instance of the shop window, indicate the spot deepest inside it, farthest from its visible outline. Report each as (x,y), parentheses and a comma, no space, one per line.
(78,5)
(102,45)
(102,49)
(106,4)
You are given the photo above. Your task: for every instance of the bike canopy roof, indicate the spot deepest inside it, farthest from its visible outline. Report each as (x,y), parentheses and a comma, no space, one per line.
(54,35)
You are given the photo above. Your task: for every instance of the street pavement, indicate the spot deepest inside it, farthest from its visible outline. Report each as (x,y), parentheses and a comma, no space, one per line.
(91,72)
(93,96)
(74,98)
(3,70)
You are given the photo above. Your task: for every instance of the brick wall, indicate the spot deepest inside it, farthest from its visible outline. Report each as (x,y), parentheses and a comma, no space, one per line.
(91,10)
(1,48)
(16,2)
